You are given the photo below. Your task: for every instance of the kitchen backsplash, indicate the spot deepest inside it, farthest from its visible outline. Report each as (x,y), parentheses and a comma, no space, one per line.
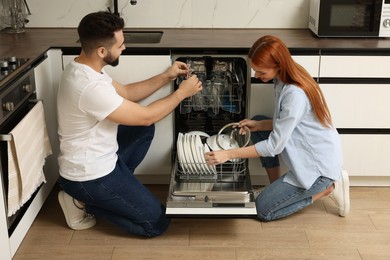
(176,13)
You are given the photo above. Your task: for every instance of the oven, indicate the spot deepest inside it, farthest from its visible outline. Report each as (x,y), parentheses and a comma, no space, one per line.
(206,122)
(17,96)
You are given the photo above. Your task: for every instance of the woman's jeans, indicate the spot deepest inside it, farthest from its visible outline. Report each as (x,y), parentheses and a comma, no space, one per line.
(119,197)
(280,199)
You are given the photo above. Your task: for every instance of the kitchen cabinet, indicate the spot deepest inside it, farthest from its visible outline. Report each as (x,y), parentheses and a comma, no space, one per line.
(47,78)
(156,166)
(366,158)
(356,86)
(355,105)
(355,66)
(46,75)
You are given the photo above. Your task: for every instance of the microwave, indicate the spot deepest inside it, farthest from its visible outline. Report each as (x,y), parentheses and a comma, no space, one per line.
(350,18)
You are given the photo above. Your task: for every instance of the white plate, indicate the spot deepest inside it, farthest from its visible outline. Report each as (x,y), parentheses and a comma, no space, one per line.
(193,154)
(188,154)
(202,159)
(212,168)
(180,153)
(200,133)
(199,157)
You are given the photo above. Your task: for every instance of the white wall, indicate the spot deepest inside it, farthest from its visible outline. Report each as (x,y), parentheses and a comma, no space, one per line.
(177,13)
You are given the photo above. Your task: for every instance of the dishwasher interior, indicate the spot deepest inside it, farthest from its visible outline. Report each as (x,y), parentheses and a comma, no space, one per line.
(195,187)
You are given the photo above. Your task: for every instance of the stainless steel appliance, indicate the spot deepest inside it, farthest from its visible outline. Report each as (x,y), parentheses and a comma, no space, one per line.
(195,188)
(15,96)
(350,18)
(9,66)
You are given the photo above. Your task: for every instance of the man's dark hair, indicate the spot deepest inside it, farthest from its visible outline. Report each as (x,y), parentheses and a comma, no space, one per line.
(97,30)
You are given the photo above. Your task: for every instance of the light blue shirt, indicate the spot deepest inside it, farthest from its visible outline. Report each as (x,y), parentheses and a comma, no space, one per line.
(308,149)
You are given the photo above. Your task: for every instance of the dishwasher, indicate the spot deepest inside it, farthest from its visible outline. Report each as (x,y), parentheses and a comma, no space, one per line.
(207,121)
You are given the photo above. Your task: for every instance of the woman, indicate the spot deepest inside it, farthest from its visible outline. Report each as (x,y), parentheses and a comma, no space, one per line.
(301,132)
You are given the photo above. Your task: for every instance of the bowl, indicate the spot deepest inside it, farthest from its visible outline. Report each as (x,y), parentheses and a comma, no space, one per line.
(224,142)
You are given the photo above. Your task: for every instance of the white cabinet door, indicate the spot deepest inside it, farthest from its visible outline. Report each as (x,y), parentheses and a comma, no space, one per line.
(355,66)
(47,77)
(135,68)
(156,166)
(358,105)
(366,154)
(310,63)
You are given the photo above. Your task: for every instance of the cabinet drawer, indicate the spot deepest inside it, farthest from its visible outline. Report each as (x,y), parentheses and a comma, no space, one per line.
(366,155)
(358,105)
(310,63)
(355,66)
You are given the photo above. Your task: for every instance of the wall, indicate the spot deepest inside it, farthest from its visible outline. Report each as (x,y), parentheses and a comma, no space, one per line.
(177,13)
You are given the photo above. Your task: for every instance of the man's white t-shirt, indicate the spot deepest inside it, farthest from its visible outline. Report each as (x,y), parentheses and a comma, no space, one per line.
(88,143)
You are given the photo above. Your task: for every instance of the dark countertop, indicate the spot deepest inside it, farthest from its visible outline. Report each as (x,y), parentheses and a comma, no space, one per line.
(35,41)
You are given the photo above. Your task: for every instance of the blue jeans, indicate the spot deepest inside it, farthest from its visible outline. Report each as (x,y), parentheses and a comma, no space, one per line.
(280,198)
(119,197)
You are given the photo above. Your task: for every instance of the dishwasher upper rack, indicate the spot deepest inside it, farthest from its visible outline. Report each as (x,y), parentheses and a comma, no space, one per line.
(221,90)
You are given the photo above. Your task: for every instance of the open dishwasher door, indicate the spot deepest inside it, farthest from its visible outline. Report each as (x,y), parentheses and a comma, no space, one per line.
(195,187)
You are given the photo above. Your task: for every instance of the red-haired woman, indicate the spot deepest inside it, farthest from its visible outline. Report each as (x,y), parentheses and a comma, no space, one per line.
(300,131)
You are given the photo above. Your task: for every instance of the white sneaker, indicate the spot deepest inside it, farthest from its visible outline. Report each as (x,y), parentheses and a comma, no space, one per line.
(75,217)
(340,194)
(256,191)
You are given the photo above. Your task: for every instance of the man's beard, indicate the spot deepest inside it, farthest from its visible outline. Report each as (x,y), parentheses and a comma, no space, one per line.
(109,60)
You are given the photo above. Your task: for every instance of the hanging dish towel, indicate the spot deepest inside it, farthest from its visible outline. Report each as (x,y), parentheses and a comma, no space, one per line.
(27,151)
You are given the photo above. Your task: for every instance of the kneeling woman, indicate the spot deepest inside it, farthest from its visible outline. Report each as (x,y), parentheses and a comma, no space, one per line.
(300,131)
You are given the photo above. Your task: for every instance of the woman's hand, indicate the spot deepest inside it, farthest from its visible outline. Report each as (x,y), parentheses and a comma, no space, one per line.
(217,157)
(254,125)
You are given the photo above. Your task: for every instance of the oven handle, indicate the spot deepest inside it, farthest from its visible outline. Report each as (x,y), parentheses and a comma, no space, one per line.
(8,137)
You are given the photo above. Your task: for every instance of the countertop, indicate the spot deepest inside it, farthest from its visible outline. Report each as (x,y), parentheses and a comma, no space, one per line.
(35,41)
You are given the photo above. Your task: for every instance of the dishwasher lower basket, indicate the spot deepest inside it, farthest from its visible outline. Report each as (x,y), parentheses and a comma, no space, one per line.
(231,171)
(229,188)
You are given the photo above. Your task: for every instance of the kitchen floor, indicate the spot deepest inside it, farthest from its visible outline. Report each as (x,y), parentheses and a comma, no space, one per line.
(316,232)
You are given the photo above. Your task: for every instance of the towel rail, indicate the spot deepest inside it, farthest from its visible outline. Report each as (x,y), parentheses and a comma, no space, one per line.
(8,137)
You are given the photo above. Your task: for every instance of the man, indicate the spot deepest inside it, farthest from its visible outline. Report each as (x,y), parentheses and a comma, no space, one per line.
(105,134)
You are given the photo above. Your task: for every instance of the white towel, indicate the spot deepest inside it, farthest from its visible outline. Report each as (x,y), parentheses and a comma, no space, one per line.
(27,151)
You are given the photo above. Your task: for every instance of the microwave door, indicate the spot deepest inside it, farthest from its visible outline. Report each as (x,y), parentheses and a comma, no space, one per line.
(350,18)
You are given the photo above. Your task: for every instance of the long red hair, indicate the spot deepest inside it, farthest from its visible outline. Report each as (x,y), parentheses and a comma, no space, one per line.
(270,52)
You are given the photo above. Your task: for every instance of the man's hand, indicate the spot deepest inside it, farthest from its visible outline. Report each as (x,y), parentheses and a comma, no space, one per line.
(190,86)
(177,69)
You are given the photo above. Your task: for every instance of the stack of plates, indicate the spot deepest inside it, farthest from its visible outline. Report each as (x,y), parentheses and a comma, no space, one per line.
(190,151)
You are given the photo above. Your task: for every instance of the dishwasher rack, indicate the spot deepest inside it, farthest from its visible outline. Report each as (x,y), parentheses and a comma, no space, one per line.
(222,86)
(231,171)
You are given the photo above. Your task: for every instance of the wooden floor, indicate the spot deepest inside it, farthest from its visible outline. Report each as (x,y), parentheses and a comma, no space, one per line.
(314,233)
